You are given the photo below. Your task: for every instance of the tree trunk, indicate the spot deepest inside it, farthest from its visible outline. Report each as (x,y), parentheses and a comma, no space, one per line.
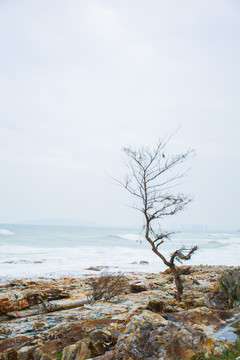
(178,282)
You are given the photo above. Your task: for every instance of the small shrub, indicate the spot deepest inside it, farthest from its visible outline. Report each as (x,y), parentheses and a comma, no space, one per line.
(106,286)
(59,355)
(231,352)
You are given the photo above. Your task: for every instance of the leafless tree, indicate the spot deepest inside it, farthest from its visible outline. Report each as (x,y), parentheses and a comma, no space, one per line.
(151,179)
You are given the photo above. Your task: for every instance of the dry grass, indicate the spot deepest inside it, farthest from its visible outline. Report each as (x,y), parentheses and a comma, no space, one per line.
(106,286)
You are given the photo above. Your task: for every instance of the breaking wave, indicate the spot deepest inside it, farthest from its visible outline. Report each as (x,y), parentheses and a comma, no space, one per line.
(6,232)
(214,244)
(132,237)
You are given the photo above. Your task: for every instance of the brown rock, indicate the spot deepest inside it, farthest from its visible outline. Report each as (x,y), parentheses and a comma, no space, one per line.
(10,354)
(84,352)
(112,330)
(150,336)
(230,283)
(138,287)
(15,343)
(156,306)
(95,268)
(6,305)
(200,316)
(15,301)
(25,353)
(69,352)
(109,355)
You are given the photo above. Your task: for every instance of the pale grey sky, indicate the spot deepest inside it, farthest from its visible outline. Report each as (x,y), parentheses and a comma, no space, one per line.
(82,79)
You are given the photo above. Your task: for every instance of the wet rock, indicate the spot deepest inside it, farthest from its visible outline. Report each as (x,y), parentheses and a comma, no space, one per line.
(236,326)
(94,268)
(201,316)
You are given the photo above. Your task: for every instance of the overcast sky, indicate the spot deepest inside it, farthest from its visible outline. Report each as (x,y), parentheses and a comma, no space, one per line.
(82,79)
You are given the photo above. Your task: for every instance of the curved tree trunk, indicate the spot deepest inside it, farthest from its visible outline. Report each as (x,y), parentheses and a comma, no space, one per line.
(178,282)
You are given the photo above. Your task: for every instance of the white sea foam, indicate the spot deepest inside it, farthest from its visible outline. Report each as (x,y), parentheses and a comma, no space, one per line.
(6,232)
(132,237)
(46,251)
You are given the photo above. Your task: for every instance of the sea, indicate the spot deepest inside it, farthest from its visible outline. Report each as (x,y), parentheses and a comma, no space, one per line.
(59,251)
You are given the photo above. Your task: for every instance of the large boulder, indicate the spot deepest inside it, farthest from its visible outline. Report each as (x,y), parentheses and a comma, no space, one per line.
(229,281)
(150,336)
(18,300)
(94,344)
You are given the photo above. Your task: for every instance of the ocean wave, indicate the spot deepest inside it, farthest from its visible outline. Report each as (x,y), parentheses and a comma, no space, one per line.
(132,237)
(213,244)
(6,232)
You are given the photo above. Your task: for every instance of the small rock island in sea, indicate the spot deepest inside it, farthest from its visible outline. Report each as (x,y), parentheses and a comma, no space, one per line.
(45,319)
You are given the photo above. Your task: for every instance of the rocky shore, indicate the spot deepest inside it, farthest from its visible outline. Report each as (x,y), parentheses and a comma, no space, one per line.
(45,319)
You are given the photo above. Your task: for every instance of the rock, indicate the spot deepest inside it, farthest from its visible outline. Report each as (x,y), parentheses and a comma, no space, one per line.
(10,354)
(109,355)
(69,352)
(84,351)
(150,336)
(94,268)
(230,283)
(203,317)
(147,323)
(14,343)
(63,305)
(87,348)
(7,305)
(25,353)
(16,300)
(143,262)
(156,305)
(236,326)
(98,268)
(183,343)
(138,287)
(131,342)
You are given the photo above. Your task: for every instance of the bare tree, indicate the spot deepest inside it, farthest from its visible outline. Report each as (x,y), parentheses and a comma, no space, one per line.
(151,179)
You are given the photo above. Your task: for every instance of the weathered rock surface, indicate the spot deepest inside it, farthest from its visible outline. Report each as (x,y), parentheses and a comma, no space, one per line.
(230,282)
(45,319)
